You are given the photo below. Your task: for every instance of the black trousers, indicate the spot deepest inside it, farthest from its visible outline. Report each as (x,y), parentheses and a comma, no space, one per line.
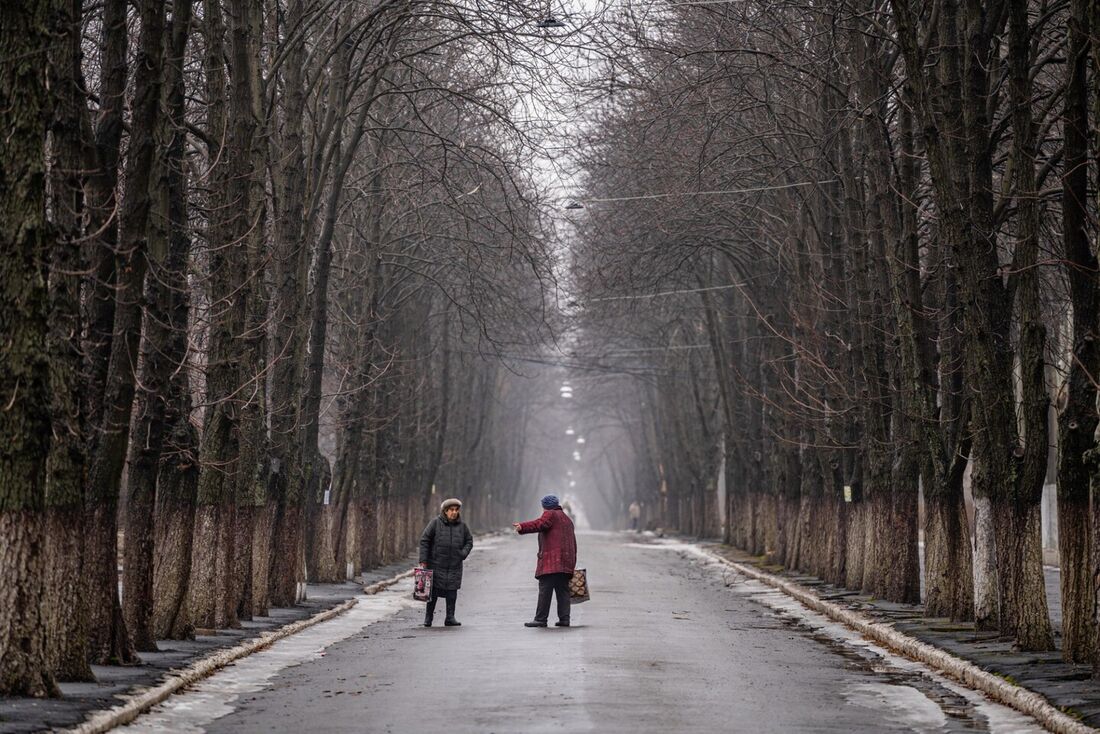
(450,596)
(556,584)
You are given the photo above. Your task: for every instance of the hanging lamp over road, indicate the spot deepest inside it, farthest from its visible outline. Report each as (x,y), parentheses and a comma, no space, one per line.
(549,20)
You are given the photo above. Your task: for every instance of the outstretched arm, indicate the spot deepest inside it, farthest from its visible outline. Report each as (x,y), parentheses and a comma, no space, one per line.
(536,526)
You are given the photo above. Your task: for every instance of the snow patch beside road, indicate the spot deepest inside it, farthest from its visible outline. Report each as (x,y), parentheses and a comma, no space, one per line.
(912,706)
(215,697)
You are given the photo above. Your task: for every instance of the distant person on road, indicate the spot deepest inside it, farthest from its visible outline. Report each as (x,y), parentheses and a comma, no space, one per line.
(557,559)
(635,511)
(444,545)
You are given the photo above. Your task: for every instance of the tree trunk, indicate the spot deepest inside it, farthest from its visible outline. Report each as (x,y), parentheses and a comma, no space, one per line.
(1024,612)
(1094,513)
(289,307)
(177,486)
(1078,420)
(102,202)
(177,470)
(948,577)
(262,529)
(857,530)
(287,567)
(213,601)
(902,574)
(243,536)
(986,584)
(212,560)
(297,500)
(109,638)
(247,188)
(368,532)
(66,624)
(1020,555)
(24,357)
(161,356)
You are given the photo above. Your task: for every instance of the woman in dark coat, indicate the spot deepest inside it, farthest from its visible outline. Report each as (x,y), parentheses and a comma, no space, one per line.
(444,545)
(557,559)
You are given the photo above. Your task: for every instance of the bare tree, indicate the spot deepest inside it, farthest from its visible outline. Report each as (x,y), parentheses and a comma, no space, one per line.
(25,426)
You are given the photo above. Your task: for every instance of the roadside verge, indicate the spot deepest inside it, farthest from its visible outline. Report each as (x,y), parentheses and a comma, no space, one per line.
(997,688)
(141,701)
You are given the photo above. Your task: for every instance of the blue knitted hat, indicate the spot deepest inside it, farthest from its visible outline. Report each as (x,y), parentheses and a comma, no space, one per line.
(550,501)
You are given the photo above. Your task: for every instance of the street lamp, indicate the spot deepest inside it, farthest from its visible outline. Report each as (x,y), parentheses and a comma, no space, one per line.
(549,21)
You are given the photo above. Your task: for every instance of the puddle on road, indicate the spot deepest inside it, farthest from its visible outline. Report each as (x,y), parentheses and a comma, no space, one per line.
(923,700)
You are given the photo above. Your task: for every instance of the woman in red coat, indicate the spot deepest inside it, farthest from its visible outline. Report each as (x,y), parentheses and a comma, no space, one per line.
(557,559)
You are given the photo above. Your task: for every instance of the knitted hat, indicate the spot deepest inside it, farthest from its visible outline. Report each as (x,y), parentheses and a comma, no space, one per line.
(550,501)
(452,502)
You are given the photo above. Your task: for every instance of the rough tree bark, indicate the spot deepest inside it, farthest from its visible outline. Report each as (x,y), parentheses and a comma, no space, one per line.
(1078,419)
(177,470)
(66,623)
(102,202)
(110,640)
(246,113)
(24,356)
(212,597)
(291,270)
(1019,541)
(1094,513)
(167,259)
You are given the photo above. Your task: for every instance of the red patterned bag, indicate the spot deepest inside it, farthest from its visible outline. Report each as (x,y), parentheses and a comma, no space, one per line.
(422,584)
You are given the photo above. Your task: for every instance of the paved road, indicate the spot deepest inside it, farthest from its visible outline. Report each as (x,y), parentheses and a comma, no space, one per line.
(664,646)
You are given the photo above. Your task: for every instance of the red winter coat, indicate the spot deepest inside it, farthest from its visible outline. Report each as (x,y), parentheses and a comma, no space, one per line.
(557,543)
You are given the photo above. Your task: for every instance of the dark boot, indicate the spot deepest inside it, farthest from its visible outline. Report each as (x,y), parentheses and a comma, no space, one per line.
(429,612)
(534,624)
(450,621)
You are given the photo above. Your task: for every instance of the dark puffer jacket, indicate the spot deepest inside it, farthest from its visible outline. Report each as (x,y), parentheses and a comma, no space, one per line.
(444,545)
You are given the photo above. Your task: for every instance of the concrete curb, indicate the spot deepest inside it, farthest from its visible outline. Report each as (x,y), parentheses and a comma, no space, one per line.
(139,703)
(380,585)
(970,675)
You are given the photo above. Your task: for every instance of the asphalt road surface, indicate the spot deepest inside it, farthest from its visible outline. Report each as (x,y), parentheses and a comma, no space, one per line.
(670,642)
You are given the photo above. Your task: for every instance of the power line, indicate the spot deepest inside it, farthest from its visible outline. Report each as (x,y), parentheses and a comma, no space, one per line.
(711,193)
(633,350)
(666,293)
